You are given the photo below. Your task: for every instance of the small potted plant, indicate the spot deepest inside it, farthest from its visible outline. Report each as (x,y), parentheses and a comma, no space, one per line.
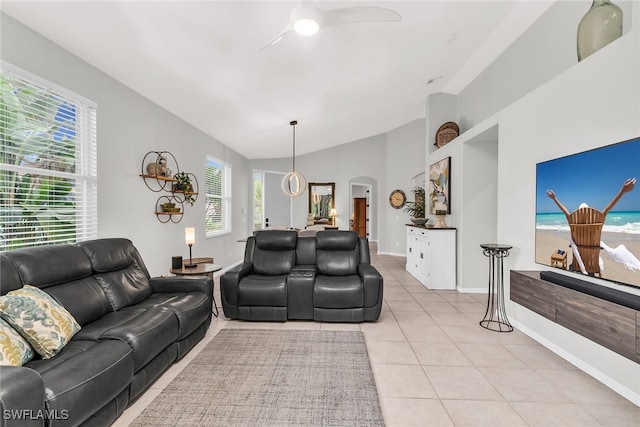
(417,208)
(183,185)
(167,207)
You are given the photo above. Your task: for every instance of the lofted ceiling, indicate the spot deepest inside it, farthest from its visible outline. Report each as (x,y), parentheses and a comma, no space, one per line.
(201,61)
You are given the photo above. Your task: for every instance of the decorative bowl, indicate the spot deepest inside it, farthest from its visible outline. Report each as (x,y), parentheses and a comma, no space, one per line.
(419,221)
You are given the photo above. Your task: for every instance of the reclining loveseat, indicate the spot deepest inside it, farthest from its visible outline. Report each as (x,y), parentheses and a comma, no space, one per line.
(132,328)
(327,278)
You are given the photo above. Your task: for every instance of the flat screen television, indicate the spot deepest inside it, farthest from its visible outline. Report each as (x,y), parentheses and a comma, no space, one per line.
(588,213)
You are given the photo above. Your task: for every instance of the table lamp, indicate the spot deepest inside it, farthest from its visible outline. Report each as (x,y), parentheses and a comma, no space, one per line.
(333,214)
(190,239)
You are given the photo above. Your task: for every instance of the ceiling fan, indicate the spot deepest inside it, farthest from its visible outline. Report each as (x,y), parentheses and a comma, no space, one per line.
(307,18)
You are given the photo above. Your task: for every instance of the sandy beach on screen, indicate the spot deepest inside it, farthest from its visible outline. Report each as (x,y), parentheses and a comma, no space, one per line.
(547,242)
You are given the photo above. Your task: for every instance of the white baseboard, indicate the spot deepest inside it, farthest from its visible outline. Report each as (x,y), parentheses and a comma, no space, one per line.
(614,385)
(392,254)
(472,290)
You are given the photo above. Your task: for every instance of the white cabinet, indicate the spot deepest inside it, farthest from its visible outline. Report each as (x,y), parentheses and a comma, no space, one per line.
(431,256)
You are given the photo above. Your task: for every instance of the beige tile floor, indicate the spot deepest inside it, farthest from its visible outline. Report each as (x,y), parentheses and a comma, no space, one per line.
(435,366)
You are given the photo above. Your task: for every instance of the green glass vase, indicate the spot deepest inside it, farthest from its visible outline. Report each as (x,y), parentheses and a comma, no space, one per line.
(601,25)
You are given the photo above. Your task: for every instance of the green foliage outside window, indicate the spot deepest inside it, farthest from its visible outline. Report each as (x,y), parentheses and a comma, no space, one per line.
(37,163)
(257,201)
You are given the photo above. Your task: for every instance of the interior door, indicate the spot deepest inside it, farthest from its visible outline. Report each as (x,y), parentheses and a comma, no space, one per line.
(277,205)
(360,216)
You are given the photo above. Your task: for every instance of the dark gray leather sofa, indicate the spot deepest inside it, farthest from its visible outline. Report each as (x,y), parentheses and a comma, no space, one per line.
(327,278)
(133,328)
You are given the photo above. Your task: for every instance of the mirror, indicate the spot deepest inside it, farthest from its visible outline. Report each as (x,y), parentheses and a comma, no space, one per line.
(321,200)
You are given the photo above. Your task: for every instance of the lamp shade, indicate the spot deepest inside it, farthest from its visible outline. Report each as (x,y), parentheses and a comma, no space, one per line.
(190,235)
(333,212)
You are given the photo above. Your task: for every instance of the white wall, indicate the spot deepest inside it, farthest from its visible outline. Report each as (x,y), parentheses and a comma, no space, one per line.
(590,104)
(129,126)
(340,164)
(478,217)
(544,51)
(583,108)
(405,153)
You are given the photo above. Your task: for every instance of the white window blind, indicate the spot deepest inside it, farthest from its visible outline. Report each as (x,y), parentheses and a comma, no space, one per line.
(218,196)
(48,163)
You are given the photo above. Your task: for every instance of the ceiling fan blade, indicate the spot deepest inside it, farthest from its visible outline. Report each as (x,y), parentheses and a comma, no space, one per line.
(352,15)
(277,39)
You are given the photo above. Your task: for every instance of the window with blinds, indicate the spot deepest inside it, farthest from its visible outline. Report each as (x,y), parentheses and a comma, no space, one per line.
(218,197)
(48,164)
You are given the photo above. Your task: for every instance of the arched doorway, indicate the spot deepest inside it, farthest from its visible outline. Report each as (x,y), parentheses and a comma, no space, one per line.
(363,209)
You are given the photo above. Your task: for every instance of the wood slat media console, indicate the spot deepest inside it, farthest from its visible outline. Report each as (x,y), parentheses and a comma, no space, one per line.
(609,324)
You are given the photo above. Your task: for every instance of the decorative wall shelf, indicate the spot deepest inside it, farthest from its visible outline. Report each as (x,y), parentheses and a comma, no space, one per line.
(159,178)
(160,173)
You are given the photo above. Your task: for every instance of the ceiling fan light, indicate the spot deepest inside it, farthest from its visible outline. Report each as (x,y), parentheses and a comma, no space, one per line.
(306,19)
(306,26)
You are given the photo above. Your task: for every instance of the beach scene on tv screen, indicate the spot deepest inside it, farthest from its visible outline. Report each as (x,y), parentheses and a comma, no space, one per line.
(588,213)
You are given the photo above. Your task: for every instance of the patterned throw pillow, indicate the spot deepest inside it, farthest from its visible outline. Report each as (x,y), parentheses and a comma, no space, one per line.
(14,350)
(44,323)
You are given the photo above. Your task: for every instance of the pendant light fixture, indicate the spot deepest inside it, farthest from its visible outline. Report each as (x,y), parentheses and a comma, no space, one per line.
(294,183)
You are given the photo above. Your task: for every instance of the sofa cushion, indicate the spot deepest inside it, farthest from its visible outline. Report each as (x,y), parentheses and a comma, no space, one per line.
(83,298)
(276,240)
(259,290)
(44,323)
(337,253)
(148,334)
(14,349)
(306,251)
(191,309)
(275,252)
(338,292)
(108,254)
(336,240)
(21,390)
(84,377)
(48,265)
(140,320)
(9,275)
(125,287)
(94,330)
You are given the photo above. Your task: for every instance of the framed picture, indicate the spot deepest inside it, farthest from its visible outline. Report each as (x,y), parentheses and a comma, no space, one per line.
(440,187)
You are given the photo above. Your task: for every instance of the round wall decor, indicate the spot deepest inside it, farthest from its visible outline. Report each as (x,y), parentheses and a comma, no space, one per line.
(397,199)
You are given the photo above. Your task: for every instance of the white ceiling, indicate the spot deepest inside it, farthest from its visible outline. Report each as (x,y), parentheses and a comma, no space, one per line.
(200,60)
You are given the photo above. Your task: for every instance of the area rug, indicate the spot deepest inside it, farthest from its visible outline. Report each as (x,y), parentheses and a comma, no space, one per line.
(248,377)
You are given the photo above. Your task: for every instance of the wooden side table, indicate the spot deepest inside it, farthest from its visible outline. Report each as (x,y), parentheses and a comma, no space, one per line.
(198,260)
(205,269)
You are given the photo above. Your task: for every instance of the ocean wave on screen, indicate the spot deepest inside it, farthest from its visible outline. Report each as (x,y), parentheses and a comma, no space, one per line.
(548,227)
(628,228)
